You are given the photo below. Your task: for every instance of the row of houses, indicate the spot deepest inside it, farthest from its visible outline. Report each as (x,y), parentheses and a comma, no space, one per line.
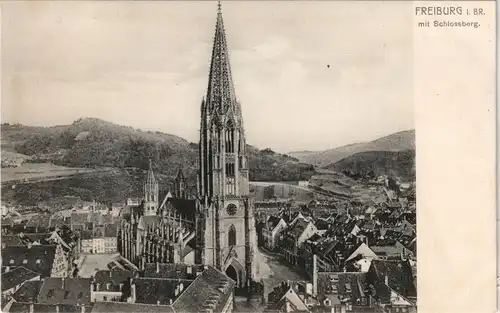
(158,288)
(387,286)
(374,248)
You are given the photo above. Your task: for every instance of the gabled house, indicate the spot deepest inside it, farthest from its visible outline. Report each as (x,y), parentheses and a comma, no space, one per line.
(362,257)
(272,231)
(13,279)
(294,238)
(48,260)
(68,291)
(392,285)
(286,298)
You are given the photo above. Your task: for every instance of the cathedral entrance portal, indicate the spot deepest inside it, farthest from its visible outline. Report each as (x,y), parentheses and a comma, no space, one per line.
(231,272)
(236,272)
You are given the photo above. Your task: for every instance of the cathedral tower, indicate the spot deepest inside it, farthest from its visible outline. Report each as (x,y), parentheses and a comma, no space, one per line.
(180,186)
(150,193)
(228,226)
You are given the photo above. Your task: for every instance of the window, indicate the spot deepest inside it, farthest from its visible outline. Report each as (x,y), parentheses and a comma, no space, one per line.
(230,170)
(104,298)
(66,294)
(229,138)
(11,262)
(38,261)
(25,261)
(232,236)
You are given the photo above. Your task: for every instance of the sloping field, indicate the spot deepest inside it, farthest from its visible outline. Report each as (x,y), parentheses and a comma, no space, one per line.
(41,171)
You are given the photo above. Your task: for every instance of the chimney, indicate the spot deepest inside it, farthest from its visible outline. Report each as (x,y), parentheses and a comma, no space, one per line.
(189,269)
(158,302)
(386,281)
(62,283)
(157,267)
(82,309)
(32,308)
(315,276)
(7,268)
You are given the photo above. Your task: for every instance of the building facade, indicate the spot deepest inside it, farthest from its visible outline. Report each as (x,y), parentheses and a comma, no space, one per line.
(216,226)
(227,225)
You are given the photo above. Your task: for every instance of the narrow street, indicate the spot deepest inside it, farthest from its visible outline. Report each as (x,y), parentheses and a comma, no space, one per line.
(273,270)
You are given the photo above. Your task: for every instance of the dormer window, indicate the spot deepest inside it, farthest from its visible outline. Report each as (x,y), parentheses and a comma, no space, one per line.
(25,261)
(11,261)
(38,261)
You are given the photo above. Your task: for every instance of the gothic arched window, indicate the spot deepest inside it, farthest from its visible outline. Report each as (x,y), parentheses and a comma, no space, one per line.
(229,137)
(232,236)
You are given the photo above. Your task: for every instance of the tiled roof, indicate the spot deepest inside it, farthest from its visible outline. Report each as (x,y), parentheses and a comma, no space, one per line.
(16,277)
(399,274)
(121,307)
(186,207)
(38,258)
(210,290)
(28,291)
(386,250)
(86,234)
(21,307)
(111,280)
(71,291)
(171,270)
(159,291)
(272,222)
(352,286)
(111,230)
(24,239)
(299,227)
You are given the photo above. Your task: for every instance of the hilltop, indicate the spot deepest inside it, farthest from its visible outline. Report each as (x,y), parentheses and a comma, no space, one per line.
(94,143)
(399,164)
(401,141)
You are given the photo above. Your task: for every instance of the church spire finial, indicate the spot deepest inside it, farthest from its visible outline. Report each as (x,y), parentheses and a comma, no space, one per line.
(219,7)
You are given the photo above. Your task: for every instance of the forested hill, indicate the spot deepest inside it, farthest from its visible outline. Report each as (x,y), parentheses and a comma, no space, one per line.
(399,164)
(91,142)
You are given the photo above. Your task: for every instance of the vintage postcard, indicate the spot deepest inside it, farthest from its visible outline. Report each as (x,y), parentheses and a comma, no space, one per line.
(247,156)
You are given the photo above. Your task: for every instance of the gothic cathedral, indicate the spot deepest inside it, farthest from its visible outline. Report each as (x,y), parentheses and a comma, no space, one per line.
(227,226)
(216,227)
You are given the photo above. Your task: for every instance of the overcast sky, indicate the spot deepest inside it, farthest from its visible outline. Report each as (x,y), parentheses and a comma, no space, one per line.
(145,65)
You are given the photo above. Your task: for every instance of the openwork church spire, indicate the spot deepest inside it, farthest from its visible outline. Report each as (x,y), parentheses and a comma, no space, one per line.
(220,94)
